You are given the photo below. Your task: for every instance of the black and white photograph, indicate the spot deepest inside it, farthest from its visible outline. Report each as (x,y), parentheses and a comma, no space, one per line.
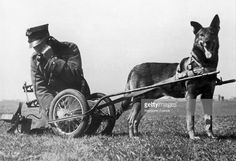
(117,80)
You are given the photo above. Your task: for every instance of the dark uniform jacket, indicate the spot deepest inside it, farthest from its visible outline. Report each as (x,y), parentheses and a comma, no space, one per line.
(58,73)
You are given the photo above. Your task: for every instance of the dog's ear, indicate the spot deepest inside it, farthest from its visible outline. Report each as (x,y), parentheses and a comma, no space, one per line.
(215,23)
(196,26)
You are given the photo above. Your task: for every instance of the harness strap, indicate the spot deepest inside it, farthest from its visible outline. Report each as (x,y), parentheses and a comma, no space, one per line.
(193,58)
(191,71)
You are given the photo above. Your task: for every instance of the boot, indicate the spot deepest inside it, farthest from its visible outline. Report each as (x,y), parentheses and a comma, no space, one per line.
(208,126)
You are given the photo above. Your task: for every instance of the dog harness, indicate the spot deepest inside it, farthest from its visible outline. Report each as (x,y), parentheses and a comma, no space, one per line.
(194,67)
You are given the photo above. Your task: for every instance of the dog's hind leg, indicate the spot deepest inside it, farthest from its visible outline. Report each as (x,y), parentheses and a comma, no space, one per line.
(132,119)
(136,124)
(137,120)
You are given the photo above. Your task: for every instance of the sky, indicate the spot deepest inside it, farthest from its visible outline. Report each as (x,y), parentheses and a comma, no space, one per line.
(113,36)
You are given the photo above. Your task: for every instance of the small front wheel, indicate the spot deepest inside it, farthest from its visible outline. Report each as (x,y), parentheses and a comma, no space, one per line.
(66,104)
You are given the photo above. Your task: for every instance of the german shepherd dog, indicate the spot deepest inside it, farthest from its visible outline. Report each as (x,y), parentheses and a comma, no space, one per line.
(204,56)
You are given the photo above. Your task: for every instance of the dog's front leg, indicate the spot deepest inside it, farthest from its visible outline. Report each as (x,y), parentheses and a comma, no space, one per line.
(208,109)
(190,110)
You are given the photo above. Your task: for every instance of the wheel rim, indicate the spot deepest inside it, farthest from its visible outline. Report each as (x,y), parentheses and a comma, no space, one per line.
(104,112)
(65,107)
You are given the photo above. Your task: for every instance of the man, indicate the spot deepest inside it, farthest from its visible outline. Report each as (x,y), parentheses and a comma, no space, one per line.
(55,66)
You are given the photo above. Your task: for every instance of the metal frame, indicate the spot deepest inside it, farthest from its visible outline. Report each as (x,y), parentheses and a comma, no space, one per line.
(139,91)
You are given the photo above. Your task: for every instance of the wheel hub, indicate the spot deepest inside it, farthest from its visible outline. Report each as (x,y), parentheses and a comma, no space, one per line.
(61,113)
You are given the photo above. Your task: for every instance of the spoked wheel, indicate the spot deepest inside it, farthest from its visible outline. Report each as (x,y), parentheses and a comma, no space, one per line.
(69,103)
(102,120)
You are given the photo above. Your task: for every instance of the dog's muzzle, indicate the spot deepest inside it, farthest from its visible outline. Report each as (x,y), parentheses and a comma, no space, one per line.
(208,48)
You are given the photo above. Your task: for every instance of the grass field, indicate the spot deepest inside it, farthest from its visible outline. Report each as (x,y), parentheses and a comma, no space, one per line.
(163,137)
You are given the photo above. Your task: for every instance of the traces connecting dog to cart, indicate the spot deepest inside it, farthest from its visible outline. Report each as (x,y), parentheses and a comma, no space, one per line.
(203,59)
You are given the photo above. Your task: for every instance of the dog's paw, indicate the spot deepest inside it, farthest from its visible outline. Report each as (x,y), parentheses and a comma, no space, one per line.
(194,137)
(211,135)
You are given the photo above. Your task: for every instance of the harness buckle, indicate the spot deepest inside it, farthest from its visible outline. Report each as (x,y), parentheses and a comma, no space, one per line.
(189,67)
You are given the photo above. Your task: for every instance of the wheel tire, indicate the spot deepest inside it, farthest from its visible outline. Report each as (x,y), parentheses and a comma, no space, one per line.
(70,98)
(97,124)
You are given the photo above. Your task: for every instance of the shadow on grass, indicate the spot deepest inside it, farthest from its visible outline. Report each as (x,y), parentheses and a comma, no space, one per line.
(41,131)
(120,134)
(204,136)
(181,134)
(227,137)
(185,135)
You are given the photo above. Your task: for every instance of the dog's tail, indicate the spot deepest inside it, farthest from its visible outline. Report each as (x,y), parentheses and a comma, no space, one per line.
(125,104)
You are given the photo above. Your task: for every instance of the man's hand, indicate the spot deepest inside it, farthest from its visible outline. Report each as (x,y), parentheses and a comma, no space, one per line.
(47,53)
(50,65)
